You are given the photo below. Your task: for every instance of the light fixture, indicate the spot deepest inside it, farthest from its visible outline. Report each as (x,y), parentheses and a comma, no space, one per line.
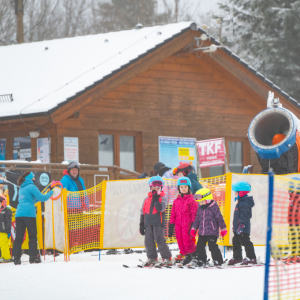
(34,134)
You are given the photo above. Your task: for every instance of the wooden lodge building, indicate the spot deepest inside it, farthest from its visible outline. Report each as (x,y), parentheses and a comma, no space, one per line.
(118,92)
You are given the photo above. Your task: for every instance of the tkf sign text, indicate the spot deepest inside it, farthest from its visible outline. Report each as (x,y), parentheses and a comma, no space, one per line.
(211,152)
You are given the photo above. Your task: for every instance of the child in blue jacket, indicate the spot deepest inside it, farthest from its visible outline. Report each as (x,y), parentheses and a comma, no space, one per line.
(241,225)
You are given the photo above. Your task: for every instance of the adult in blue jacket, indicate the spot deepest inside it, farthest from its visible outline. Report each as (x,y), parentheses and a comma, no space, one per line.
(74,183)
(29,195)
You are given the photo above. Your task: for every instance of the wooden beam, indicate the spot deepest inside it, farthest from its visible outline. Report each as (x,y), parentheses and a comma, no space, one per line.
(123,76)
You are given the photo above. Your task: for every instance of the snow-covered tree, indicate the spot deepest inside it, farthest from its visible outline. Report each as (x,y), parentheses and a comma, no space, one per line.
(267,35)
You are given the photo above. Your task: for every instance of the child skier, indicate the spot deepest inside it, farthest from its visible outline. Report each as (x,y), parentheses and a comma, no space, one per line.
(241,225)
(152,222)
(187,170)
(294,220)
(208,221)
(183,215)
(5,230)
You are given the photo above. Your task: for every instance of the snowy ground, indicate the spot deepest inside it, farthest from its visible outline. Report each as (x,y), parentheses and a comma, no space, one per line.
(85,277)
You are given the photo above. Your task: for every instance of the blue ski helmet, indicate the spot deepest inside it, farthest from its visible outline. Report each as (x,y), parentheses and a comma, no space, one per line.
(184,181)
(156,181)
(294,187)
(241,186)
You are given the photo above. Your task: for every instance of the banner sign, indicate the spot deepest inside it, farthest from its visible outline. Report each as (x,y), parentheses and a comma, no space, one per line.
(42,179)
(175,150)
(211,152)
(71,149)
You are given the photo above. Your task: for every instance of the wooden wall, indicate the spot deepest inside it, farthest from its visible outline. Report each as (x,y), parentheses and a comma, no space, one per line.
(182,96)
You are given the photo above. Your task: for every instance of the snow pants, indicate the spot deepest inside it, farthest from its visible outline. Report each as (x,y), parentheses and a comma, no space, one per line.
(155,233)
(212,246)
(4,245)
(185,241)
(21,224)
(240,240)
(294,240)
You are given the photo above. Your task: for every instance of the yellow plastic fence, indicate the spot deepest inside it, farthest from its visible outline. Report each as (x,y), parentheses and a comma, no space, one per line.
(84,219)
(284,279)
(83,210)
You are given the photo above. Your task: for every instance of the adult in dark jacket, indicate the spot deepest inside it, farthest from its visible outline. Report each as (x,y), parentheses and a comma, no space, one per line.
(187,170)
(29,195)
(241,225)
(5,230)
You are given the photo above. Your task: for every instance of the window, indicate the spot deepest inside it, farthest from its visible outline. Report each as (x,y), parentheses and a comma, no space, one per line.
(236,163)
(127,152)
(22,148)
(236,157)
(120,148)
(106,150)
(2,149)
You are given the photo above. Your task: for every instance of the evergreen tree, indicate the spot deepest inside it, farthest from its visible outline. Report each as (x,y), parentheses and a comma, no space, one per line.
(267,35)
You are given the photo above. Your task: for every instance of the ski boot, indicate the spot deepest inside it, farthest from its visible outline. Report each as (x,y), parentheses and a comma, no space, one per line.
(17,261)
(233,261)
(247,261)
(179,258)
(3,260)
(188,258)
(150,262)
(167,262)
(35,259)
(217,263)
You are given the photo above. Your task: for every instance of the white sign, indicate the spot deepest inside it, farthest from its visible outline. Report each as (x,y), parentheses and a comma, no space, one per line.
(71,149)
(25,153)
(43,150)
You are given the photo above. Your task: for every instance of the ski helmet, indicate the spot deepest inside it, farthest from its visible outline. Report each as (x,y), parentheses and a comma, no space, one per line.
(156,181)
(203,194)
(241,186)
(294,186)
(157,167)
(185,168)
(184,181)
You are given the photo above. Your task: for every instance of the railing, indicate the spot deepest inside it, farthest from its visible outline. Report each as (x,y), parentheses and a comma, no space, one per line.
(89,173)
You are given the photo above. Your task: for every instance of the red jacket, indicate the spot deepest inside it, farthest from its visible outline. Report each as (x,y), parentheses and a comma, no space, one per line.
(154,212)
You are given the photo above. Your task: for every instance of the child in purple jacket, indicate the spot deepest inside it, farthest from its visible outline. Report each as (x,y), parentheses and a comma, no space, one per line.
(207,222)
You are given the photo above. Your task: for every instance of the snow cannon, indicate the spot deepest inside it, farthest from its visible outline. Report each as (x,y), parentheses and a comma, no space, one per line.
(274,136)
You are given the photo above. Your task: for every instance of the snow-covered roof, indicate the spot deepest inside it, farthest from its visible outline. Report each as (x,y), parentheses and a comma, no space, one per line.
(41,76)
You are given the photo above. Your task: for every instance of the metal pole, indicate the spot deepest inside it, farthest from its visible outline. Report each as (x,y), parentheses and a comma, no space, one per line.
(99,253)
(269,235)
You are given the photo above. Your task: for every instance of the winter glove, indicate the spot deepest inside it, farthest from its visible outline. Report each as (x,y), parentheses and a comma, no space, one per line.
(240,229)
(193,232)
(142,225)
(171,230)
(223,232)
(8,235)
(155,196)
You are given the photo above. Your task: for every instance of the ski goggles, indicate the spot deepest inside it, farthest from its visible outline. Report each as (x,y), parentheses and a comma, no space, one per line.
(156,183)
(73,164)
(198,197)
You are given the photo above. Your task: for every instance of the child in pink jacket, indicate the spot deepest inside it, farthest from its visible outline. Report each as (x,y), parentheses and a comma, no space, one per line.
(183,215)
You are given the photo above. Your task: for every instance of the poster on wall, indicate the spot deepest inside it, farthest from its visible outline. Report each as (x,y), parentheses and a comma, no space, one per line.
(2,149)
(71,149)
(176,150)
(211,152)
(43,150)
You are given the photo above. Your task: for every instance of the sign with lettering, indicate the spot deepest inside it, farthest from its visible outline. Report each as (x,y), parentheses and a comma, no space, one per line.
(211,152)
